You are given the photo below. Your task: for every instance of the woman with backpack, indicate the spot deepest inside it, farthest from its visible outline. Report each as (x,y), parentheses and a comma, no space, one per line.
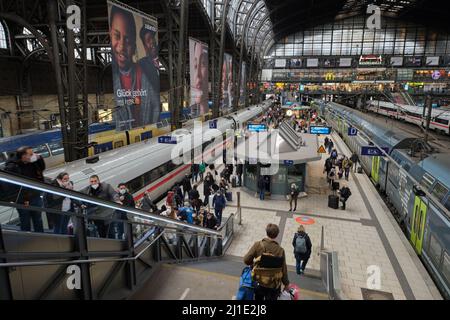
(302,249)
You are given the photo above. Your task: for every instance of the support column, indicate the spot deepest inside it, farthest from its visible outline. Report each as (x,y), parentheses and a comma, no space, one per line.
(219,50)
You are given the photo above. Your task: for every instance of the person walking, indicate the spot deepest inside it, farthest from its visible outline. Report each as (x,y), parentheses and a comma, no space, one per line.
(325,143)
(194,197)
(147,203)
(210,222)
(116,228)
(63,204)
(207,184)
(269,265)
(332,176)
(201,170)
(345,193)
(261,187)
(347,165)
(354,159)
(104,191)
(302,249)
(219,203)
(294,196)
(239,172)
(29,165)
(187,186)
(195,172)
(330,146)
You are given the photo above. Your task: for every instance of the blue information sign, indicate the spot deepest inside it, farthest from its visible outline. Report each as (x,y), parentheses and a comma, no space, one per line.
(319,130)
(289,162)
(167,140)
(352,132)
(373,151)
(256,127)
(213,124)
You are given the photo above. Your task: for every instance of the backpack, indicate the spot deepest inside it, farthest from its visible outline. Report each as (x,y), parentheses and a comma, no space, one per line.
(300,245)
(267,270)
(346,193)
(246,285)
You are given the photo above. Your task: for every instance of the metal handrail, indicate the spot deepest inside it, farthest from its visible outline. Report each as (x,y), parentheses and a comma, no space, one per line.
(27,183)
(46,263)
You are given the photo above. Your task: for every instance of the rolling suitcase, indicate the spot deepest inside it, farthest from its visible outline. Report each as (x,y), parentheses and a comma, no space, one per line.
(229,196)
(234,182)
(360,170)
(333,202)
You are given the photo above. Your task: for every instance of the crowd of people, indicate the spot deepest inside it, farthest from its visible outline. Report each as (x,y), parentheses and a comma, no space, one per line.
(183,202)
(337,167)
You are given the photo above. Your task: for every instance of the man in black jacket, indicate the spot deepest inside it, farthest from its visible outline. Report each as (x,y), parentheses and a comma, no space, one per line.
(239,171)
(210,221)
(116,229)
(194,197)
(104,191)
(345,194)
(187,186)
(27,164)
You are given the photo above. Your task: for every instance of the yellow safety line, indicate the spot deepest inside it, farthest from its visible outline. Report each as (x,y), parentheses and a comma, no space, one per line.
(235,278)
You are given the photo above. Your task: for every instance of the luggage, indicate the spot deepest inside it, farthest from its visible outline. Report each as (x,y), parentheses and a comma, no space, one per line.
(333,202)
(234,182)
(229,196)
(210,200)
(360,170)
(246,285)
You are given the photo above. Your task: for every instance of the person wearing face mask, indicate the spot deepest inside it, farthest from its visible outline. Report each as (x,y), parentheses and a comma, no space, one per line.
(30,165)
(104,191)
(61,203)
(116,229)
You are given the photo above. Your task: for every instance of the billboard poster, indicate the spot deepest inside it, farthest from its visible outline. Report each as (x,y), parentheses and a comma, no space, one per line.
(135,66)
(243,86)
(345,62)
(329,62)
(280,63)
(198,64)
(412,61)
(227,82)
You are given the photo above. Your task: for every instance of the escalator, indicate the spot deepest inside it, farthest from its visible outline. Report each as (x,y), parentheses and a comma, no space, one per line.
(154,258)
(82,265)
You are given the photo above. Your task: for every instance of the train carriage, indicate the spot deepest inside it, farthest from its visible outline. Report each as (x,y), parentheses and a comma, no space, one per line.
(425,219)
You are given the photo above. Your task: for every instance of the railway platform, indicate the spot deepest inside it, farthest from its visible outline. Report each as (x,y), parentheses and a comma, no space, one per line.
(376,261)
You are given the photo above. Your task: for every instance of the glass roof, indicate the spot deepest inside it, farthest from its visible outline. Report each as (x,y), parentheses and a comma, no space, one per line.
(248,14)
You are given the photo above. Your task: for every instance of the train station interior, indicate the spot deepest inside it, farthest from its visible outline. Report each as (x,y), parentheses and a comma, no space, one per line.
(224,150)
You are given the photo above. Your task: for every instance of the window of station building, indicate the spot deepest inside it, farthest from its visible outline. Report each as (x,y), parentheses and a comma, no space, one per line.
(439,191)
(3,39)
(350,37)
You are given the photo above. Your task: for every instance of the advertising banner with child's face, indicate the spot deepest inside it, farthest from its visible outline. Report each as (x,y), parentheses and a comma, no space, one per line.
(135,66)
(227,83)
(198,63)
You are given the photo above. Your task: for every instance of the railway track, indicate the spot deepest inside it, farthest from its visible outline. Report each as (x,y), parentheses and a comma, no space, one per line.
(439,141)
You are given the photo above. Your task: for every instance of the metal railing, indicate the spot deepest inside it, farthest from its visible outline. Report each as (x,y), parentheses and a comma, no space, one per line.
(35,265)
(329,270)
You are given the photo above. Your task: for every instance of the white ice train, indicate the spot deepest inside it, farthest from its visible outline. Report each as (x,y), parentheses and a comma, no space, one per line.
(148,166)
(440,119)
